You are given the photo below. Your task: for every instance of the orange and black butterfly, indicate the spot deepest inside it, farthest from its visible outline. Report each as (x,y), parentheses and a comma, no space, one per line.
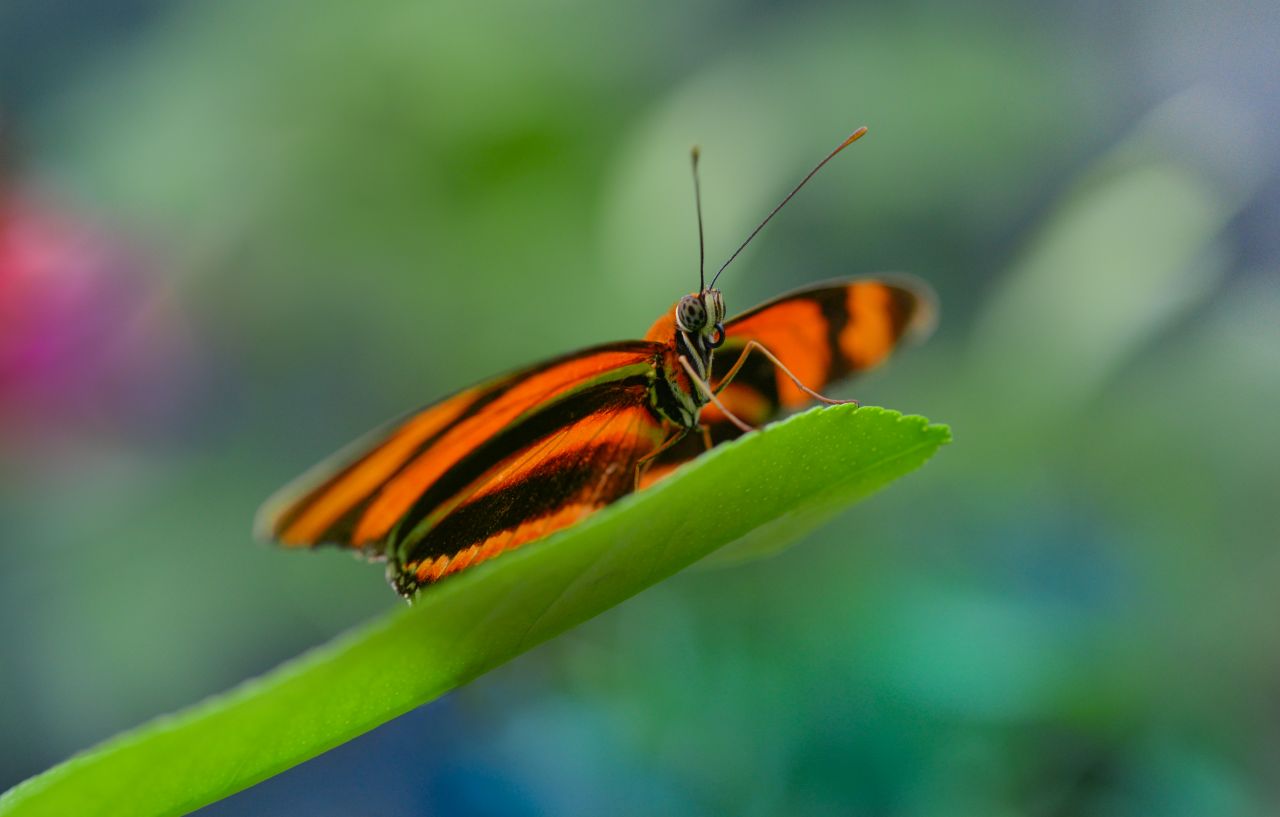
(520,456)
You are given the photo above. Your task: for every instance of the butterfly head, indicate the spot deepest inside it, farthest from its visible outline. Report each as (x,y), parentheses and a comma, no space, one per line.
(701,315)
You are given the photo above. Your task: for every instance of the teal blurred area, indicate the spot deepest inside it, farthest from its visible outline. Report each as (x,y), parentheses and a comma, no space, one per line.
(235,235)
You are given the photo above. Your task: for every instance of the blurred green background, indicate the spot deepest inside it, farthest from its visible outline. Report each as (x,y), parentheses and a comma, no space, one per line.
(235,235)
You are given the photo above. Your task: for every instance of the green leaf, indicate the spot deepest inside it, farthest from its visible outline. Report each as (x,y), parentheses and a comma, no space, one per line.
(770,485)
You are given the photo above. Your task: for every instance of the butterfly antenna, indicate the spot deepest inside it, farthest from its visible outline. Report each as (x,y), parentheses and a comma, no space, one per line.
(853,137)
(697,203)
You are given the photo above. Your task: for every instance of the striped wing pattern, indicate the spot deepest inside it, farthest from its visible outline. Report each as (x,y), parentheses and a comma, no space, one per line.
(482,471)
(546,474)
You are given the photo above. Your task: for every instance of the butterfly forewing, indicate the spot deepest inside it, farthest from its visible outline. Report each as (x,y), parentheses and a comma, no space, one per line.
(825,332)
(430,458)
(324,505)
(821,333)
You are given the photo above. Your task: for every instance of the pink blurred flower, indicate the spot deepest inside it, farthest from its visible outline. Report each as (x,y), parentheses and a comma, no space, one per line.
(87,333)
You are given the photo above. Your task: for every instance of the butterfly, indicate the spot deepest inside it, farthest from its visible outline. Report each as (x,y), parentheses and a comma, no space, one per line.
(520,456)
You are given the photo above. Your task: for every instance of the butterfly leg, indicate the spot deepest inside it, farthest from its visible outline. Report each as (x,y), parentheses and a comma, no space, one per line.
(711,395)
(764,350)
(676,437)
(643,464)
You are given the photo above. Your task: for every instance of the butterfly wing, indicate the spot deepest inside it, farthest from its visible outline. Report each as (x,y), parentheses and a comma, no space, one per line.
(541,475)
(822,333)
(484,470)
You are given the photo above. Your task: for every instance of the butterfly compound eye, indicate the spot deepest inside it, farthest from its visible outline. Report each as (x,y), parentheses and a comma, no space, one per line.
(691,316)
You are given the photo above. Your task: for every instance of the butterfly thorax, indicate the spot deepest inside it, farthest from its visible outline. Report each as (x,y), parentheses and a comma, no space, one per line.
(690,331)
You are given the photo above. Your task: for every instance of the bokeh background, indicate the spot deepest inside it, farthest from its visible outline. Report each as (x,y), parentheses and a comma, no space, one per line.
(235,235)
